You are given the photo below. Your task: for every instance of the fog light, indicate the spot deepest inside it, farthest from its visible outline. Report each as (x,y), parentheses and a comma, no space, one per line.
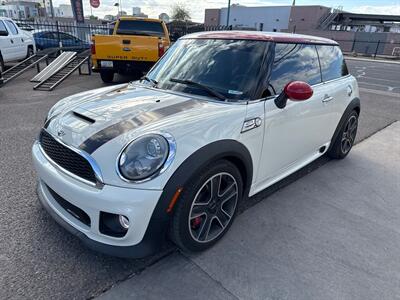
(113,224)
(124,221)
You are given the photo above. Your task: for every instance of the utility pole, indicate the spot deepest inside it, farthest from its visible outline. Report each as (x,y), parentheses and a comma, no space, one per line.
(52,9)
(229,11)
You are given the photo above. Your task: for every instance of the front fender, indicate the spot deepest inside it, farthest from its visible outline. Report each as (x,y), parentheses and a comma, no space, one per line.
(231,150)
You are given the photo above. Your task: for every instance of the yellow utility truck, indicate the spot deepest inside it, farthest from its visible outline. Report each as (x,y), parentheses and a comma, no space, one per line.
(133,48)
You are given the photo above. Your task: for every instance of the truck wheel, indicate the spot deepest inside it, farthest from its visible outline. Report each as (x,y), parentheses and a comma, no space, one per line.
(29,52)
(107,76)
(2,69)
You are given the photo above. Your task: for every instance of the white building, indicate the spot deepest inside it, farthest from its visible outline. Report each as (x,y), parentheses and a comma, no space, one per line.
(63,11)
(136,11)
(20,9)
(265,18)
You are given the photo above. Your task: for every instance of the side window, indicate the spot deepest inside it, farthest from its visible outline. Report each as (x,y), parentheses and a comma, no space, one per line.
(48,35)
(332,62)
(294,62)
(3,27)
(64,36)
(12,27)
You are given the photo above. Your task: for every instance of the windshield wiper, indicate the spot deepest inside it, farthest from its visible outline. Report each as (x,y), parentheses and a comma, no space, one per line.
(154,82)
(202,86)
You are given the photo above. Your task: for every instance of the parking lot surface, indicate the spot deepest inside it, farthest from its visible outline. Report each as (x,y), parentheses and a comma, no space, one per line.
(41,260)
(321,237)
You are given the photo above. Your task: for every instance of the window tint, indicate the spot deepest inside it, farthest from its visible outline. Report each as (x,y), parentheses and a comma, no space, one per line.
(3,27)
(12,27)
(66,36)
(137,27)
(231,67)
(332,63)
(293,62)
(48,35)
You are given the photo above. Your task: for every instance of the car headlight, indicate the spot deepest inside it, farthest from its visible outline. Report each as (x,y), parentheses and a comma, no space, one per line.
(146,157)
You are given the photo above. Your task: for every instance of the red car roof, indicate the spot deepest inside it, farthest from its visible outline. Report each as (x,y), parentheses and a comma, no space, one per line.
(260,36)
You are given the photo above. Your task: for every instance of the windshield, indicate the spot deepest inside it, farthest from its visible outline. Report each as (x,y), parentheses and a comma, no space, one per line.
(138,27)
(228,67)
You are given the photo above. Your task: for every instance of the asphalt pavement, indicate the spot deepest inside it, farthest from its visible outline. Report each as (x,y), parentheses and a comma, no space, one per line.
(333,234)
(39,259)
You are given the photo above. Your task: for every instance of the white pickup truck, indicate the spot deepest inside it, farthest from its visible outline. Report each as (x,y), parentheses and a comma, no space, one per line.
(15,43)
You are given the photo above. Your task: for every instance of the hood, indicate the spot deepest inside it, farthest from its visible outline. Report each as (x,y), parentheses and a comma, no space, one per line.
(91,119)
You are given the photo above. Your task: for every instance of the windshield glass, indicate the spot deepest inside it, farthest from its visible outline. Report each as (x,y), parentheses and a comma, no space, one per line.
(138,27)
(228,67)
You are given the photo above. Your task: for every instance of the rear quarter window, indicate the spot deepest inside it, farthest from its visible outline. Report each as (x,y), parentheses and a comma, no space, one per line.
(293,62)
(3,27)
(138,27)
(333,65)
(12,27)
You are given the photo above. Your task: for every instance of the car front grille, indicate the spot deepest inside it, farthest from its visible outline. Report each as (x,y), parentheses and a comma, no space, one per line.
(73,210)
(66,158)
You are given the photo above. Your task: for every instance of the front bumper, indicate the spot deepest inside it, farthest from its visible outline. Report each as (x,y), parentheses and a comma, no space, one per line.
(144,235)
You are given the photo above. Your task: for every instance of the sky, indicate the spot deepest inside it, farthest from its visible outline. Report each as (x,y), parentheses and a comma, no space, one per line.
(196,7)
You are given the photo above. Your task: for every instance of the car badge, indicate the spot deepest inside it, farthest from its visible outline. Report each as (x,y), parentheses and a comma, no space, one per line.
(60,133)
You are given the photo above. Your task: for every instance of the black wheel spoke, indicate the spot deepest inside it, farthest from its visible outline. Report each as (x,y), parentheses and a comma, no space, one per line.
(198,210)
(205,228)
(215,185)
(223,218)
(229,195)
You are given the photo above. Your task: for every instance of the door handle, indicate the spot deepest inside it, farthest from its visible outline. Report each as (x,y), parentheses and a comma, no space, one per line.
(327,98)
(12,41)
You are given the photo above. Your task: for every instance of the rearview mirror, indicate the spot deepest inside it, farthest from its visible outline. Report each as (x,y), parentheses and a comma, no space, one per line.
(3,32)
(295,91)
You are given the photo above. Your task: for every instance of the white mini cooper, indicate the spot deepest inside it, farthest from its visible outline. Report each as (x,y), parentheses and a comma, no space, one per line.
(222,116)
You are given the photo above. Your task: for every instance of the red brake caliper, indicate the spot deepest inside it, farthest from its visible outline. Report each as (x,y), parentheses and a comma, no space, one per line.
(196,222)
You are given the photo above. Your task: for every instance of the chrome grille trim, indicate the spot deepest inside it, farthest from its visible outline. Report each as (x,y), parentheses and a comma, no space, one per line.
(96,169)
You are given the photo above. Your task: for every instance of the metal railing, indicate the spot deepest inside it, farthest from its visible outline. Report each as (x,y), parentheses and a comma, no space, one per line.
(370,48)
(51,34)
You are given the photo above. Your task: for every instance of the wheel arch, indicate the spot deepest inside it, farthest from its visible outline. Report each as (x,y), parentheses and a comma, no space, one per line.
(353,105)
(230,150)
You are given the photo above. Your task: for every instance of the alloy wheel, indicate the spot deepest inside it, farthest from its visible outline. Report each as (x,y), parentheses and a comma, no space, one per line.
(349,134)
(213,207)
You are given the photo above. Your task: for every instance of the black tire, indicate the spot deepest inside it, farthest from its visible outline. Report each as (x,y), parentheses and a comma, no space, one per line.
(344,141)
(107,76)
(2,68)
(189,226)
(29,52)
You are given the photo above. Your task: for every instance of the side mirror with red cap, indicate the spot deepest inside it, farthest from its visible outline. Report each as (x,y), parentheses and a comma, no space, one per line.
(295,91)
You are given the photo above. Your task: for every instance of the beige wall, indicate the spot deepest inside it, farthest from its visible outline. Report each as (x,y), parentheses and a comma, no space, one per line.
(306,17)
(211,17)
(344,38)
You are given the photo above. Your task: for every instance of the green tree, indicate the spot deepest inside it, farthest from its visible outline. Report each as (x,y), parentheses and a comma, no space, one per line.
(180,13)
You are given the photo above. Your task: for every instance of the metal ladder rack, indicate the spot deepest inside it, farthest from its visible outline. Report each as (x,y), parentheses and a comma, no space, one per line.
(24,65)
(54,80)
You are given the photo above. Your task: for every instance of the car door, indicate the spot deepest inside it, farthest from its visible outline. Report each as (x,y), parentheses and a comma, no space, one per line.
(338,86)
(16,39)
(294,135)
(5,44)
(47,39)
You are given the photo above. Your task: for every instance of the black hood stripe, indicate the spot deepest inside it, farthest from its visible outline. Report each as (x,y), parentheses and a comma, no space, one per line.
(107,134)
